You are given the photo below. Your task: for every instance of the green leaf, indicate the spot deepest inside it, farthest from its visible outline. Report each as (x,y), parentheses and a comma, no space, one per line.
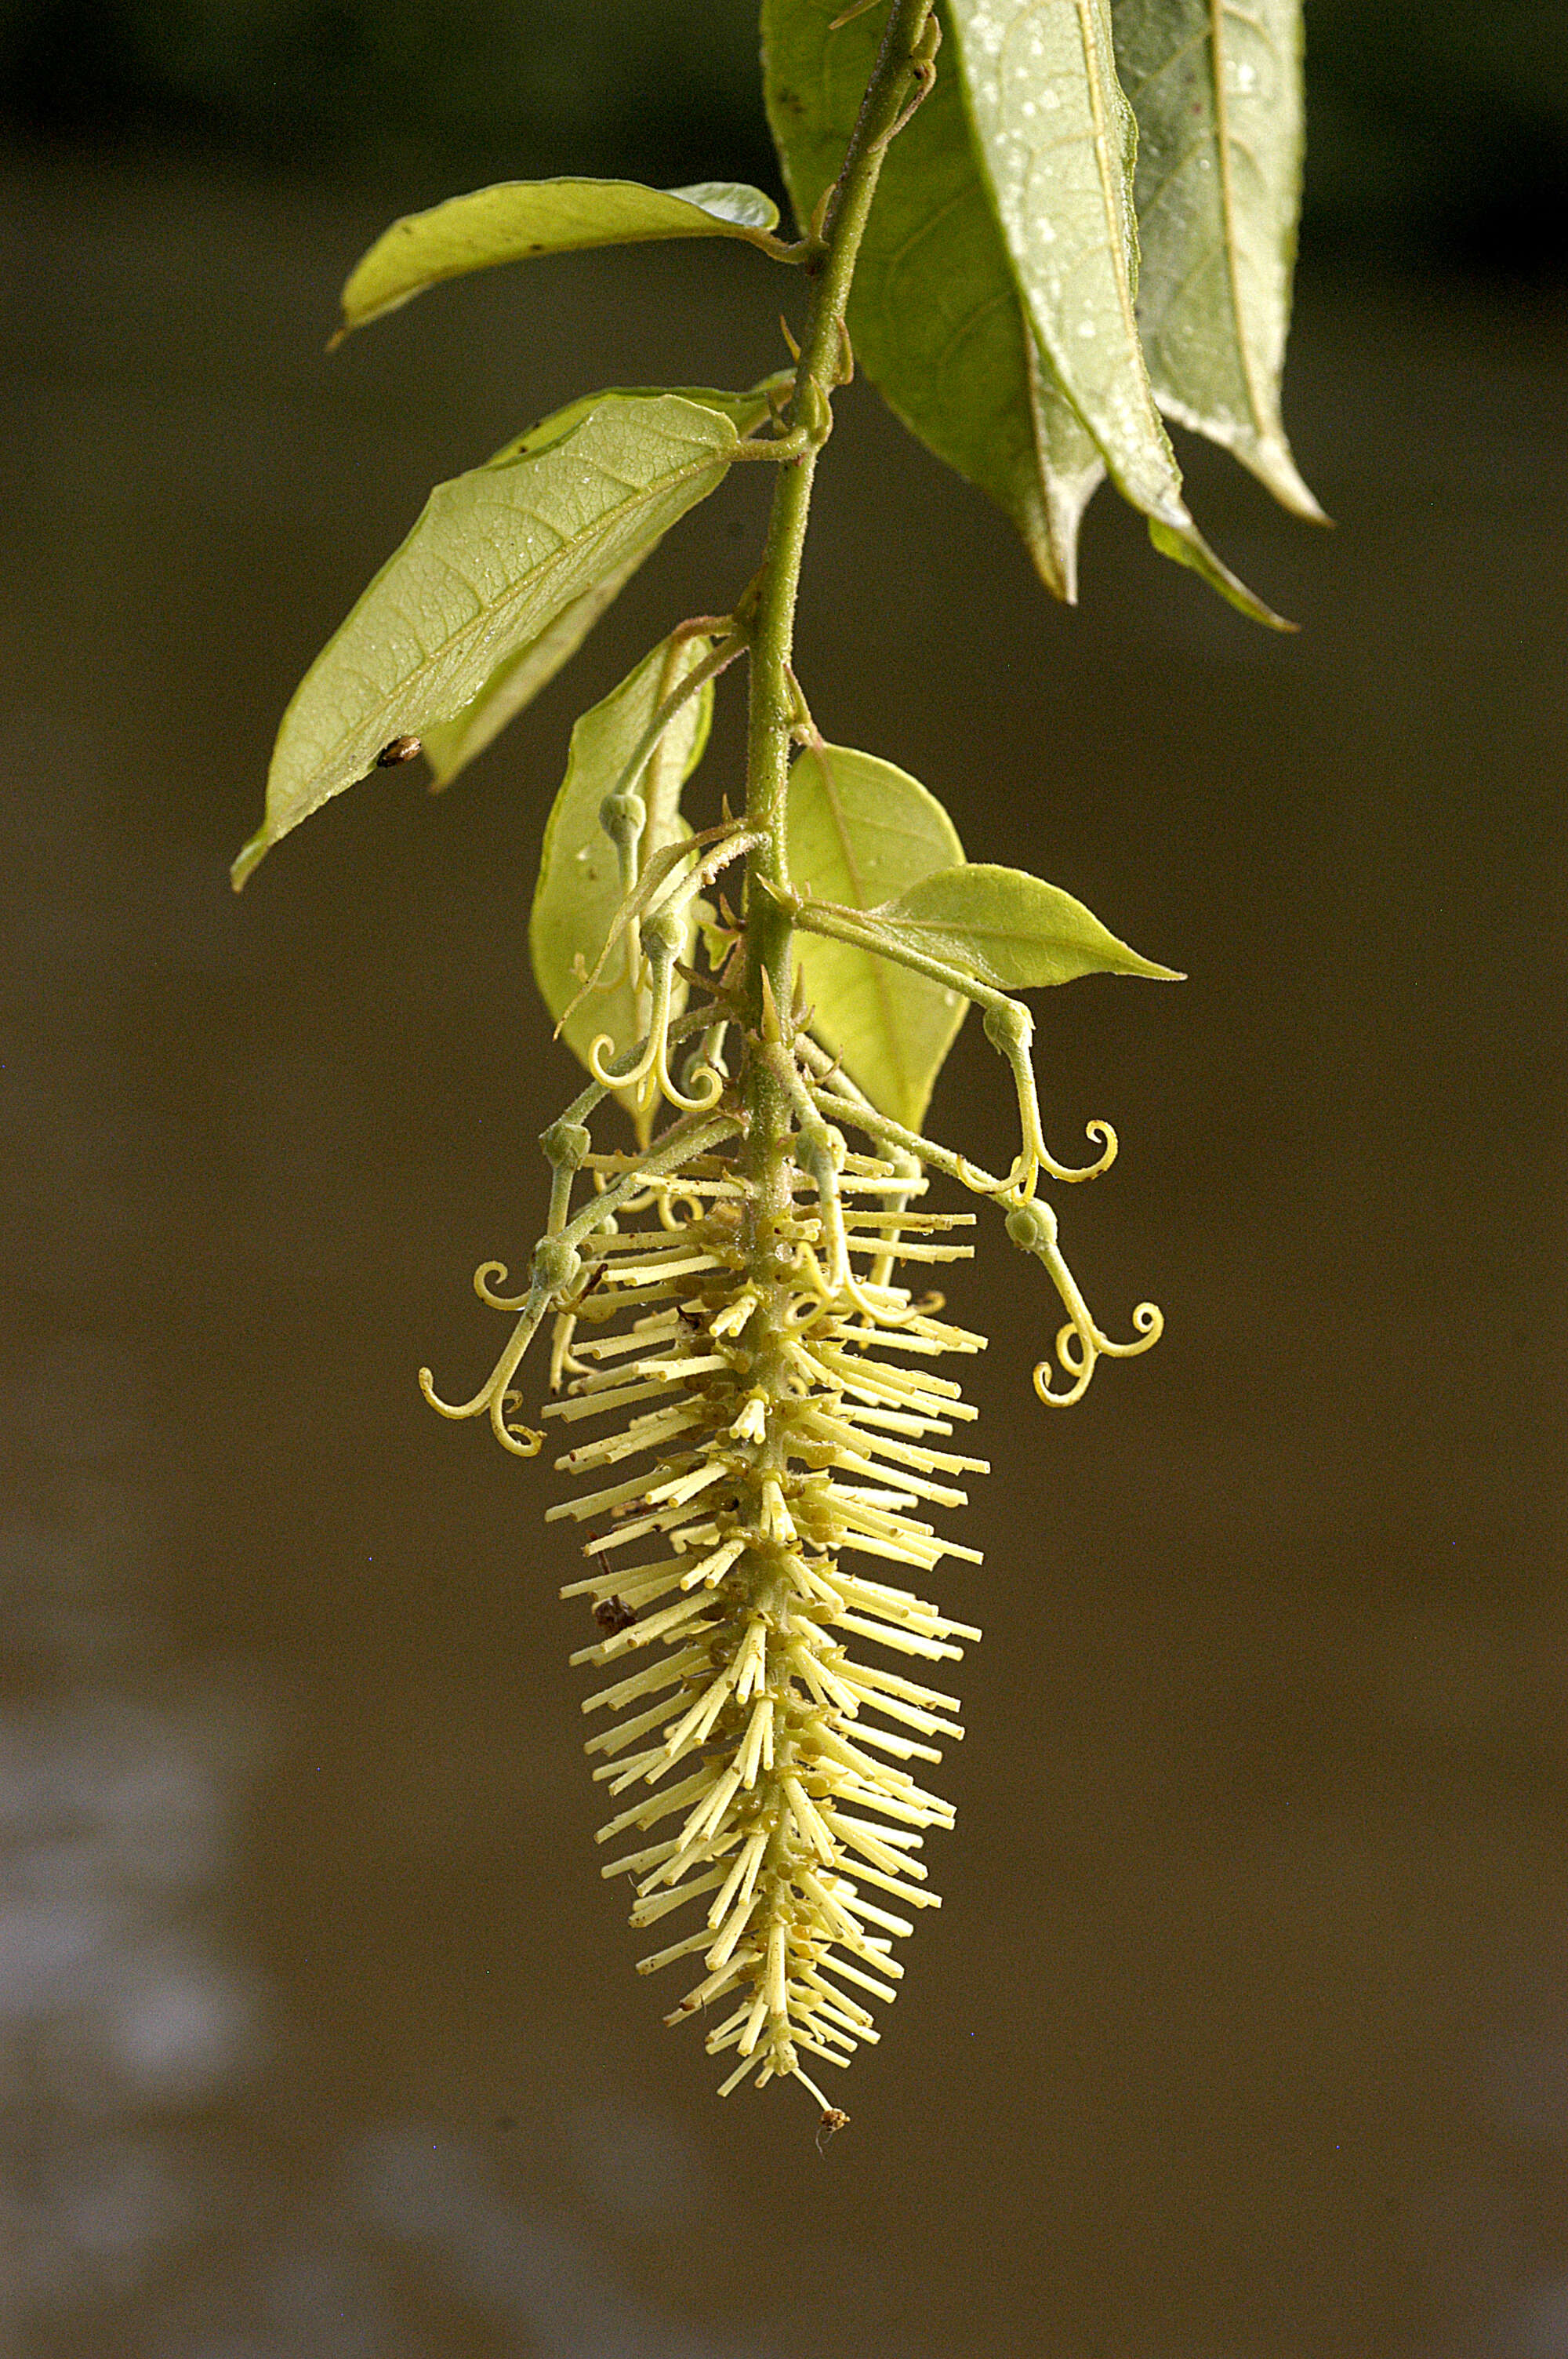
(1057,141)
(1008,929)
(451,745)
(518,219)
(1216,90)
(579,890)
(744,410)
(861,830)
(934,316)
(496,557)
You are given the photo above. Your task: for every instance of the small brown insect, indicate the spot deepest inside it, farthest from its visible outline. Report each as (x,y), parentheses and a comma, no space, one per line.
(833,2120)
(613,1615)
(398,749)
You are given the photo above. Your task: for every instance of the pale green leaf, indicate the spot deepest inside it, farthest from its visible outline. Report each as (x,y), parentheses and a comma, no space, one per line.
(861,832)
(496,557)
(934,316)
(744,410)
(579,888)
(1008,929)
(1216,90)
(451,745)
(1056,142)
(1069,470)
(518,219)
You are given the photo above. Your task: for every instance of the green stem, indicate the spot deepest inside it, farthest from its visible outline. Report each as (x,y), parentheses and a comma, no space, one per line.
(775,708)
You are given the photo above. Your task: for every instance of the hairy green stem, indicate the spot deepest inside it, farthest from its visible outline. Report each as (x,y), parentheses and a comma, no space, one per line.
(774,704)
(774,712)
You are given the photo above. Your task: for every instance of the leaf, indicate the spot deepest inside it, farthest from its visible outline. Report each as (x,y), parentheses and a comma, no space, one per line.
(934,316)
(1070,472)
(518,219)
(496,557)
(578,890)
(451,745)
(860,831)
(744,410)
(1006,928)
(1057,141)
(1216,90)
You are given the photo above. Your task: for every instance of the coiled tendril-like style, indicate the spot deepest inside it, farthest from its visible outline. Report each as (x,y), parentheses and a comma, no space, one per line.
(741,1344)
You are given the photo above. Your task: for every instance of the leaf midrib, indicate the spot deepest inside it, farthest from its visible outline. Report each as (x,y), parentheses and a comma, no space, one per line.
(1115,231)
(1216,11)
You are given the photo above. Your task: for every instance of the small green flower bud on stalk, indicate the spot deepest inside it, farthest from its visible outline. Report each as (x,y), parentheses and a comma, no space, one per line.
(566,1145)
(1031,1226)
(623,818)
(664,933)
(1008,1025)
(557,1265)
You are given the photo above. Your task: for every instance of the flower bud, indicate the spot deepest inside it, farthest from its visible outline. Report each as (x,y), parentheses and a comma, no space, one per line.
(566,1145)
(1031,1226)
(664,931)
(555,1265)
(623,818)
(1009,1027)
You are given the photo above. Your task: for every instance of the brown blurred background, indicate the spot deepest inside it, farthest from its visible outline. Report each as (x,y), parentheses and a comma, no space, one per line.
(1243,2033)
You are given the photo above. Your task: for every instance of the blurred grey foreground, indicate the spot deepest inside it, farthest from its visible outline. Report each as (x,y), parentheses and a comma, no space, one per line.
(1244,2032)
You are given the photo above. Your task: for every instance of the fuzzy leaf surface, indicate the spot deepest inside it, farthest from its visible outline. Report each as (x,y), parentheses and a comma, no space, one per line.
(579,891)
(496,557)
(517,219)
(935,316)
(1056,142)
(1008,929)
(1217,92)
(862,832)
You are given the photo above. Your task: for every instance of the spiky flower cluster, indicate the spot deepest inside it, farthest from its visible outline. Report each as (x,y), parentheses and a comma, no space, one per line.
(796,1438)
(736,1300)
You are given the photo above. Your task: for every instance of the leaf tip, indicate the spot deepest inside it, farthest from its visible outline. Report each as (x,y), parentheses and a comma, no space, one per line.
(1056,567)
(1311,510)
(1187,547)
(339,334)
(251,855)
(1275,466)
(446,762)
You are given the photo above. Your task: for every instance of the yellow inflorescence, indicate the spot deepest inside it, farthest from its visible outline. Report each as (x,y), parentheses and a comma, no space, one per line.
(728,1300)
(795,1429)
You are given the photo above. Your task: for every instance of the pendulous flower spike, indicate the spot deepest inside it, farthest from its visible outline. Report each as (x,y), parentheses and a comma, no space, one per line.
(747,1367)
